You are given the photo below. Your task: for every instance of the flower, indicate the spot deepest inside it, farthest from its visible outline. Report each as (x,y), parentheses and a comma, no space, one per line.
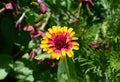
(33,32)
(43,8)
(18,22)
(89,2)
(8,6)
(94,46)
(59,41)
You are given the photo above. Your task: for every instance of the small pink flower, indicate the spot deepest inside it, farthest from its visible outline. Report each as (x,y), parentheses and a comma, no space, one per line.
(89,2)
(39,1)
(74,21)
(107,47)
(17,25)
(9,6)
(37,34)
(33,32)
(50,62)
(94,46)
(18,22)
(43,8)
(29,28)
(32,54)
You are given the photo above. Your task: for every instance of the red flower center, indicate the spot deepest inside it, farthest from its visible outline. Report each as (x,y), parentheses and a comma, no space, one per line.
(60,41)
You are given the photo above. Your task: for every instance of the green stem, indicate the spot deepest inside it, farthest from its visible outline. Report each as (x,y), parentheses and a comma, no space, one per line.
(89,11)
(45,22)
(67,69)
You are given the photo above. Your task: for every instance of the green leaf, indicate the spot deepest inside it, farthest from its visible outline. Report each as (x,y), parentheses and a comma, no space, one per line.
(3,74)
(42,56)
(5,61)
(24,70)
(30,17)
(66,71)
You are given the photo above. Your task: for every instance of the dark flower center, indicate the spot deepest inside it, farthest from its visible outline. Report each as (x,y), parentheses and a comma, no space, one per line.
(60,41)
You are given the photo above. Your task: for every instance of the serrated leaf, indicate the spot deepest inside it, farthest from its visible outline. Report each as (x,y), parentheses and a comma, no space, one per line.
(42,56)
(23,70)
(3,73)
(5,61)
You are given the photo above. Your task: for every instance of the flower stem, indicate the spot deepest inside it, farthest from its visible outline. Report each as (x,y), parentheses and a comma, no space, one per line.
(89,11)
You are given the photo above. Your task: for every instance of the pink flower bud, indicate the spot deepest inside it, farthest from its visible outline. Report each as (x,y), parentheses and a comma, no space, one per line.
(8,6)
(17,25)
(37,34)
(43,8)
(18,22)
(32,54)
(89,2)
(50,62)
(107,47)
(29,28)
(94,46)
(39,1)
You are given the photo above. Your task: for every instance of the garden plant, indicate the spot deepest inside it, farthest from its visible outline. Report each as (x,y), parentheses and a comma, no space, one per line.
(59,40)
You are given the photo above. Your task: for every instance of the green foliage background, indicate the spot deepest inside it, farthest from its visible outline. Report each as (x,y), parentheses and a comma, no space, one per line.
(99,24)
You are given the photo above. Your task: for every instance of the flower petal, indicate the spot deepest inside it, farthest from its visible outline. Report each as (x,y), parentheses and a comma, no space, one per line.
(75,47)
(72,33)
(57,56)
(65,29)
(53,56)
(70,53)
(59,29)
(74,38)
(54,29)
(70,30)
(48,35)
(43,45)
(49,50)
(44,41)
(63,52)
(50,30)
(75,43)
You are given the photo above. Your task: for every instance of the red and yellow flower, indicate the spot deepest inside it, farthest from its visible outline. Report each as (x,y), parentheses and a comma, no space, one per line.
(59,41)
